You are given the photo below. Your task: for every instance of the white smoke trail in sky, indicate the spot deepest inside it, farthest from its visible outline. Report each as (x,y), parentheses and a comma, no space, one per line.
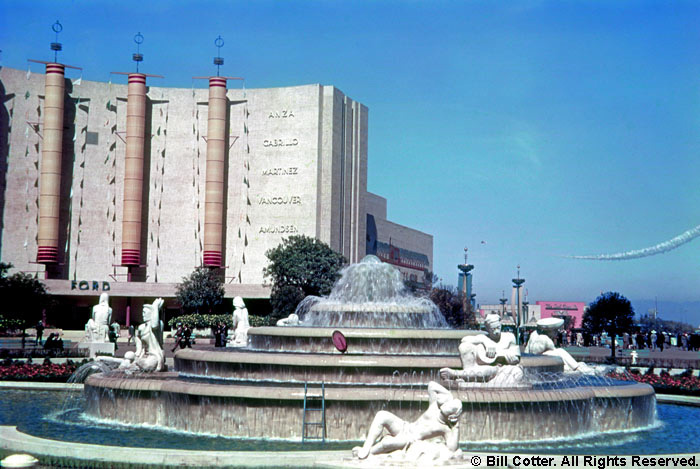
(660,248)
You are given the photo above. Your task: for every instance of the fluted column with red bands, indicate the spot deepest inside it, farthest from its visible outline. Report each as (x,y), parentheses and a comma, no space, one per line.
(133,171)
(51,155)
(216,154)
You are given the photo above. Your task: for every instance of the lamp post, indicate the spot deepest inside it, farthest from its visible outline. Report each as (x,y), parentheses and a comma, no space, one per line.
(517,283)
(466,293)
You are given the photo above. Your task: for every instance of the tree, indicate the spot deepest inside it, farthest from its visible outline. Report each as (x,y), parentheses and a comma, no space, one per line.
(450,301)
(300,266)
(611,313)
(23,298)
(201,292)
(430,278)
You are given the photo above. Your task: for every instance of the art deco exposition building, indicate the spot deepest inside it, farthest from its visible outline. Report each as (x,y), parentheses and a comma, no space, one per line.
(128,188)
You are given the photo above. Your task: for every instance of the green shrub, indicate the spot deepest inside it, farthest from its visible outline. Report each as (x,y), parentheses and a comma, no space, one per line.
(259,321)
(7,324)
(206,321)
(201,321)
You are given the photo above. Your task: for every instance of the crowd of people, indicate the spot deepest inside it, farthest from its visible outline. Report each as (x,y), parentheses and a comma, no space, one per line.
(651,340)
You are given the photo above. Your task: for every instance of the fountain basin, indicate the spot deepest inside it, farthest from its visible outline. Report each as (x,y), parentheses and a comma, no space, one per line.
(396,345)
(274,409)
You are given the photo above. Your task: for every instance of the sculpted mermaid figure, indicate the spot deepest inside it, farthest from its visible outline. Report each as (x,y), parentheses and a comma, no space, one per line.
(149,353)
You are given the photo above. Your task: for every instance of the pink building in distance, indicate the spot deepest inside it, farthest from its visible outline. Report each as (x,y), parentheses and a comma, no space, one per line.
(561,309)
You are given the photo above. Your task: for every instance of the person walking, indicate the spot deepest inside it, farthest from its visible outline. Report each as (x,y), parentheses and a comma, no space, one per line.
(187,335)
(660,340)
(179,336)
(131,334)
(114,334)
(39,332)
(640,341)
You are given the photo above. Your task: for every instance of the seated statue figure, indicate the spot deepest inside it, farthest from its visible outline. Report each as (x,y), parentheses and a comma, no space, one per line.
(441,420)
(149,354)
(291,320)
(90,330)
(493,358)
(541,343)
(241,324)
(97,327)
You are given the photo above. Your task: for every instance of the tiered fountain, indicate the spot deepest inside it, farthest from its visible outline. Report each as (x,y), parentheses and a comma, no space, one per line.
(396,344)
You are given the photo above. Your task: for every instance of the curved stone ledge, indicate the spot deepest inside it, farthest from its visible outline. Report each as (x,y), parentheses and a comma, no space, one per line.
(295,391)
(352,332)
(335,368)
(276,409)
(359,340)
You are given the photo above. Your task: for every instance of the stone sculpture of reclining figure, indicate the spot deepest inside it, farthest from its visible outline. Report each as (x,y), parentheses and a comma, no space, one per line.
(389,433)
(541,343)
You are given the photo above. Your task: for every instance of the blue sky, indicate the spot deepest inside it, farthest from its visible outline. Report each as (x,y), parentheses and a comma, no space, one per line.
(542,128)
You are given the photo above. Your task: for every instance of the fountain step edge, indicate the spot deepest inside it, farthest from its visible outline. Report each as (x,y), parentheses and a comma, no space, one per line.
(678,399)
(346,393)
(14,440)
(40,386)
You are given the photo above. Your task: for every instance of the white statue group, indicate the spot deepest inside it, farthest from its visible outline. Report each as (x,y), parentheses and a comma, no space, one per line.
(149,356)
(490,360)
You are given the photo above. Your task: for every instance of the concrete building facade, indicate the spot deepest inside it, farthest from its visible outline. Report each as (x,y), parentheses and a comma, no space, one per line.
(295,163)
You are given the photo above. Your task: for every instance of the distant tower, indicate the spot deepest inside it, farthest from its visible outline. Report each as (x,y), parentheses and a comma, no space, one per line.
(216,161)
(464,282)
(518,306)
(51,155)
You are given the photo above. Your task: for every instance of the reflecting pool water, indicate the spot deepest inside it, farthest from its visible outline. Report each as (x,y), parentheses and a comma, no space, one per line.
(58,415)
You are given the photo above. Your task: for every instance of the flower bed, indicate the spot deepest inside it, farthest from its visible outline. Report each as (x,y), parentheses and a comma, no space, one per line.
(45,372)
(664,383)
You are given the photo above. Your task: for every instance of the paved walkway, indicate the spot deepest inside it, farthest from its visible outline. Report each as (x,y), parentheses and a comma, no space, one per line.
(57,452)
